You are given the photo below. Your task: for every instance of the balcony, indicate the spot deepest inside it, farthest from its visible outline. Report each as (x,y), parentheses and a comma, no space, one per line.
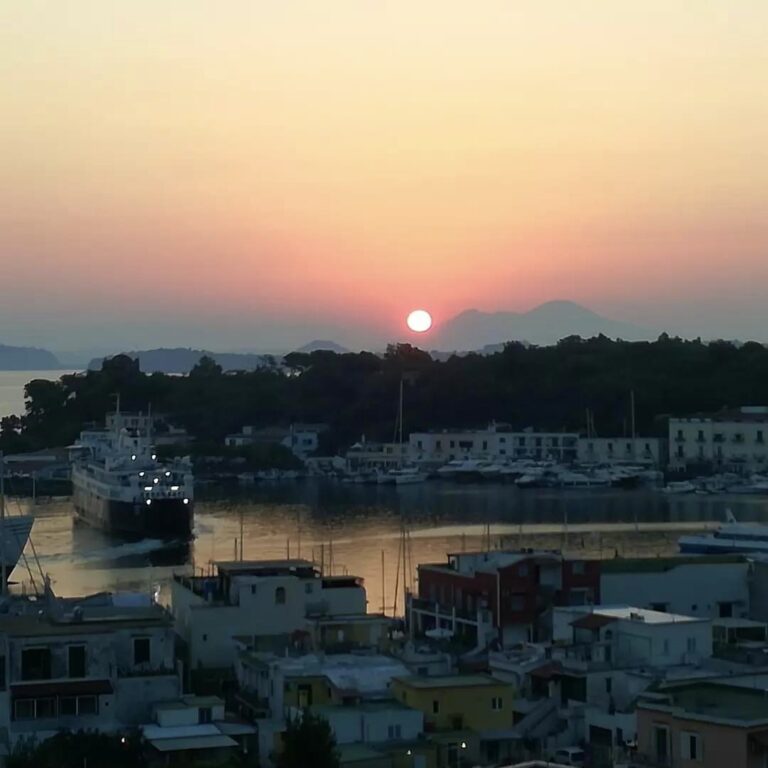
(737,439)
(680,439)
(718,439)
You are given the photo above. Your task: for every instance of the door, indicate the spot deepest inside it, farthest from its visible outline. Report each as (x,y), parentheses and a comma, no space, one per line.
(661,744)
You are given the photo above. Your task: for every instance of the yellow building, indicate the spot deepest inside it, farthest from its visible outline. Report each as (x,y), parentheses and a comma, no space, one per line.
(458,702)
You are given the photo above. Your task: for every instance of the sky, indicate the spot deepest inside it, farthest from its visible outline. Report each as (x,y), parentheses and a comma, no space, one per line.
(257,173)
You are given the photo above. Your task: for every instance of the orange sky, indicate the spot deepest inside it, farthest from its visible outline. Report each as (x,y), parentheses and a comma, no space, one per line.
(227,167)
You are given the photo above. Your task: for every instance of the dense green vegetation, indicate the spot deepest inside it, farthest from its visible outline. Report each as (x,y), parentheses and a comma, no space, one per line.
(82,748)
(356,394)
(308,741)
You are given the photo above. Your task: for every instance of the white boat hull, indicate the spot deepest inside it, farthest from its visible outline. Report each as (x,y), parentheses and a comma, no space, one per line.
(15,536)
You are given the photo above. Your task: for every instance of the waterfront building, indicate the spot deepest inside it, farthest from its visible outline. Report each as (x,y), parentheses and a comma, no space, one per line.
(643,451)
(716,586)
(367,456)
(159,425)
(705,724)
(274,603)
(301,439)
(495,443)
(729,440)
(501,595)
(88,663)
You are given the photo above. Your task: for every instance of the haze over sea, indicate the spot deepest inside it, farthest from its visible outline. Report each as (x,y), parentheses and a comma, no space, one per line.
(12,385)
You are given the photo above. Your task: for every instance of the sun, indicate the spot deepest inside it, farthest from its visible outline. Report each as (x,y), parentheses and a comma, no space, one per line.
(419,321)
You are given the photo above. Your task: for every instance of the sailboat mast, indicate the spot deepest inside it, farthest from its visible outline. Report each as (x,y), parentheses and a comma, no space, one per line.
(4,586)
(400,420)
(632,421)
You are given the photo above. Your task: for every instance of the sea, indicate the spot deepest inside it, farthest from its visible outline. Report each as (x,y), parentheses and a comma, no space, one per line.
(12,385)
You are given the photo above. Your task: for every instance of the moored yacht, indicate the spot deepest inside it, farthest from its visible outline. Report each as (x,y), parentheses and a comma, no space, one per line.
(730,537)
(120,486)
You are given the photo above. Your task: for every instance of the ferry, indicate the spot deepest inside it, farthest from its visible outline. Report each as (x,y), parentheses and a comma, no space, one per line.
(731,537)
(120,487)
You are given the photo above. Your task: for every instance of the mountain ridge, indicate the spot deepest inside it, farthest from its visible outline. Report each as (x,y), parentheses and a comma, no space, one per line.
(27,359)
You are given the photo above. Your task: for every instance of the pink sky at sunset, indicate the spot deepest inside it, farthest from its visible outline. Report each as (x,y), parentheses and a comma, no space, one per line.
(256,173)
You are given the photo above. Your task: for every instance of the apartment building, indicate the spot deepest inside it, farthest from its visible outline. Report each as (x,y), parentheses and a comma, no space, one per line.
(270,600)
(499,595)
(646,451)
(87,663)
(704,724)
(495,443)
(730,440)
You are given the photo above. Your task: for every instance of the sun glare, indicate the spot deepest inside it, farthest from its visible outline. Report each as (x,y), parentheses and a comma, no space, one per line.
(419,321)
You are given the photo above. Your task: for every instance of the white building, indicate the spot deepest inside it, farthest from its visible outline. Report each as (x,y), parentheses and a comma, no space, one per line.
(495,443)
(267,599)
(624,636)
(647,451)
(734,440)
(702,587)
(301,439)
(91,663)
(365,455)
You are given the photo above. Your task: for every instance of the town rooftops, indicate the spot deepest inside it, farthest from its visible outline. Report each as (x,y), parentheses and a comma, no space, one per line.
(257,567)
(470,563)
(450,681)
(364,673)
(747,413)
(712,701)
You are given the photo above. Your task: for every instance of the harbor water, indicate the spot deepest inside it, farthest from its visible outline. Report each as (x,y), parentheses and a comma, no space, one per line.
(351,529)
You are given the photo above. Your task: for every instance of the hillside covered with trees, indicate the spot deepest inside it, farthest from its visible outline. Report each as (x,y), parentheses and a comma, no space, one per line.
(542,387)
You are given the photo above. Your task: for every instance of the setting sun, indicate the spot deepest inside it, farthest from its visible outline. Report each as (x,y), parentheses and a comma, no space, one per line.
(419,321)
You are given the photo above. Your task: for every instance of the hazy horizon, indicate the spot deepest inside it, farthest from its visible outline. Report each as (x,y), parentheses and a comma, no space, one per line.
(258,175)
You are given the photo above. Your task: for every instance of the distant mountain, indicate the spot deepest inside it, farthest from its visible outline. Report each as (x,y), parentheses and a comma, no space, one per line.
(182,360)
(27,359)
(543,325)
(322,345)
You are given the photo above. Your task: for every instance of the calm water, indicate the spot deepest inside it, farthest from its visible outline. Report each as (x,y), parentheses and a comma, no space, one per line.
(348,528)
(12,388)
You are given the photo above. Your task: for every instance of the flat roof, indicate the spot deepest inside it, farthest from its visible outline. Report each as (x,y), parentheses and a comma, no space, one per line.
(451,681)
(627,613)
(711,700)
(43,626)
(663,564)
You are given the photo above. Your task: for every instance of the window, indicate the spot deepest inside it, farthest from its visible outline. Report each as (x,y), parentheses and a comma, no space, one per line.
(76,661)
(608,684)
(141,650)
(690,746)
(439,445)
(661,743)
(691,645)
(24,709)
(45,708)
(610,447)
(67,706)
(87,705)
(497,703)
(435,707)
(394,731)
(204,715)
(759,435)
(666,647)
(578,568)
(253,589)
(280,596)
(36,664)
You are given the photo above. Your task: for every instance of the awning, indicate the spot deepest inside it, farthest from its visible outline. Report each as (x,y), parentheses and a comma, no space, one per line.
(65,688)
(189,743)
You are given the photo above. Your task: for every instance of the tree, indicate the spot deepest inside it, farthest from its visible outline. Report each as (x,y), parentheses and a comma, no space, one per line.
(206,367)
(308,741)
(73,750)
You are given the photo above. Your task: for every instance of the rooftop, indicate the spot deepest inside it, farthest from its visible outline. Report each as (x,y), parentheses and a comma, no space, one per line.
(713,701)
(451,681)
(364,673)
(664,564)
(624,613)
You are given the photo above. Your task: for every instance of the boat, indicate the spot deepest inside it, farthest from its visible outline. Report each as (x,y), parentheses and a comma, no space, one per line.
(121,487)
(14,532)
(678,487)
(568,479)
(407,476)
(733,536)
(403,474)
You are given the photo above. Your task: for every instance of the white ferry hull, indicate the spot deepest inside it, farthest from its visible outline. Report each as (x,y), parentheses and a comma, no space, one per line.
(169,518)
